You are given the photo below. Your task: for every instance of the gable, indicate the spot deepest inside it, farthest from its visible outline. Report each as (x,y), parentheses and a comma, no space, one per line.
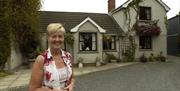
(88,27)
(166,8)
(76,28)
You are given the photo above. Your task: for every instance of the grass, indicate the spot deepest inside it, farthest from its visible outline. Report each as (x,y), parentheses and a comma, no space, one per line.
(4,73)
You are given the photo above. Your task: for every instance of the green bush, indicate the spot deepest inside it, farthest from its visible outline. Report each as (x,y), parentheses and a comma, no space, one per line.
(151,57)
(110,57)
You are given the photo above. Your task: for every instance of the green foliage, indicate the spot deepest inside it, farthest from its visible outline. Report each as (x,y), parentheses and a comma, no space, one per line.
(69,39)
(161,58)
(110,57)
(80,60)
(5,34)
(166,22)
(152,58)
(24,23)
(130,53)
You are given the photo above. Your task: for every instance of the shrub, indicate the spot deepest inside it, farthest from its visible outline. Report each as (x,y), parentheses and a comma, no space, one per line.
(161,58)
(110,57)
(151,58)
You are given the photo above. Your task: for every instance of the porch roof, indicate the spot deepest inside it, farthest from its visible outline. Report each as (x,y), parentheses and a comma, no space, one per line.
(72,19)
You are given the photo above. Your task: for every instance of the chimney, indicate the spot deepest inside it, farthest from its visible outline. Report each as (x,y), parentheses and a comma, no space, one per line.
(111,5)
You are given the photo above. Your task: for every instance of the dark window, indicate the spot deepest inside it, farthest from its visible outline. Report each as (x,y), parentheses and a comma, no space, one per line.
(109,43)
(145,42)
(87,41)
(145,13)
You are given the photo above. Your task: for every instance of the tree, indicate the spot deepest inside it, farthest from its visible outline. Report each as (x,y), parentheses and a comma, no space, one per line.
(24,24)
(5,44)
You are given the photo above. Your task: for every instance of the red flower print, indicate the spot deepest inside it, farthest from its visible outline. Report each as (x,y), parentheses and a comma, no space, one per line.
(47,62)
(48,75)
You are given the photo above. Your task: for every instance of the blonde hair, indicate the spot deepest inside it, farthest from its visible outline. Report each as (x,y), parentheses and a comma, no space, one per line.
(55,27)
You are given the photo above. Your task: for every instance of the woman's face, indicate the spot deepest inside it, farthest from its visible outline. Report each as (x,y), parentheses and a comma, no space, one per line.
(56,39)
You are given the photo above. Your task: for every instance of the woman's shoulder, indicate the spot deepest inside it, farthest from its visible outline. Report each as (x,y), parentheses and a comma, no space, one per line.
(66,52)
(40,58)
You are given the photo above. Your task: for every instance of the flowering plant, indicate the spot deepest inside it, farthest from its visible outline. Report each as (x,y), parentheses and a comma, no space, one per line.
(147,29)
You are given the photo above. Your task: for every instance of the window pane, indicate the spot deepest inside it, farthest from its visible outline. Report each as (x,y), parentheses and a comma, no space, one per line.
(145,13)
(93,37)
(94,46)
(81,38)
(109,44)
(87,41)
(145,42)
(112,45)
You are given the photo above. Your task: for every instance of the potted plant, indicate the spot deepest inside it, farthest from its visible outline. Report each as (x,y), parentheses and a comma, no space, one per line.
(80,62)
(98,61)
(161,57)
(143,58)
(151,57)
(32,56)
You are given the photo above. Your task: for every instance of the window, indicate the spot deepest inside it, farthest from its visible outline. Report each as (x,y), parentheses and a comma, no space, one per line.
(109,42)
(87,41)
(145,42)
(145,13)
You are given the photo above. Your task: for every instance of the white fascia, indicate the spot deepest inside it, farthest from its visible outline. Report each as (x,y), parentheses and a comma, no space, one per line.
(75,29)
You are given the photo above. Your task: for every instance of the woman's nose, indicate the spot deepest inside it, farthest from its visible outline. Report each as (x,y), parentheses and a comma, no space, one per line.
(57,38)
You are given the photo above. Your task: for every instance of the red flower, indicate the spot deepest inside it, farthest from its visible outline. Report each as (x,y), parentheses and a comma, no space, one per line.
(48,75)
(147,30)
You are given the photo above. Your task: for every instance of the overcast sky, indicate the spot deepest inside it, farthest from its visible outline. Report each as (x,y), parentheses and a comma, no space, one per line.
(96,6)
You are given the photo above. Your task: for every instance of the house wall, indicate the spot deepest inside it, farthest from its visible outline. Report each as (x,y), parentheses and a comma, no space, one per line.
(157,12)
(89,57)
(116,52)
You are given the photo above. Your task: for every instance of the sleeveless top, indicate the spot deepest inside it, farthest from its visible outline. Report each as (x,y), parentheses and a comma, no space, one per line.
(51,78)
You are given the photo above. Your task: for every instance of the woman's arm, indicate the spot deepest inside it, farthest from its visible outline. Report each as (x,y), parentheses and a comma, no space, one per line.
(37,75)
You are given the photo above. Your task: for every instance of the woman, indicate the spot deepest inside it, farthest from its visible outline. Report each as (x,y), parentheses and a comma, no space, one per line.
(52,71)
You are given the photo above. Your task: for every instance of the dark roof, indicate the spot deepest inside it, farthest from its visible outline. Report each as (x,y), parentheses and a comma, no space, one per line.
(72,19)
(176,16)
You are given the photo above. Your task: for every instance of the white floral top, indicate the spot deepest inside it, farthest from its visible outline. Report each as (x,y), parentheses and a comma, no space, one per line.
(51,75)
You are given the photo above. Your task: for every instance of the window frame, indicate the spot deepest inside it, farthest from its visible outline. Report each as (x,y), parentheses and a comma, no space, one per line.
(115,47)
(145,8)
(145,39)
(91,41)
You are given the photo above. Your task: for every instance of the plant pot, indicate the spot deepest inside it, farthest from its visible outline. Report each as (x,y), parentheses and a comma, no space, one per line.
(98,63)
(80,65)
(163,59)
(143,60)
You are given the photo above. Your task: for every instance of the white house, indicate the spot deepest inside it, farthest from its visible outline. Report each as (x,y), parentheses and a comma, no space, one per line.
(97,34)
(150,10)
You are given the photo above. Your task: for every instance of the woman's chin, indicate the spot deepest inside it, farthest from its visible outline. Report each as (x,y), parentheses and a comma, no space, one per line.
(56,47)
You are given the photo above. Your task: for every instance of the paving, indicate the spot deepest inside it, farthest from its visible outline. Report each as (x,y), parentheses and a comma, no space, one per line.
(20,79)
(151,76)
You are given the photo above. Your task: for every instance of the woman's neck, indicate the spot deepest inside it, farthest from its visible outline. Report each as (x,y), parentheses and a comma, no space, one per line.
(55,51)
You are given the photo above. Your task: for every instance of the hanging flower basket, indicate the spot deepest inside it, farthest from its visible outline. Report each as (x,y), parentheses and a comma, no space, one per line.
(147,29)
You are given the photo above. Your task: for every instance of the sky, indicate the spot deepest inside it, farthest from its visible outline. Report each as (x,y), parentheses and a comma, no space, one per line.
(97,6)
